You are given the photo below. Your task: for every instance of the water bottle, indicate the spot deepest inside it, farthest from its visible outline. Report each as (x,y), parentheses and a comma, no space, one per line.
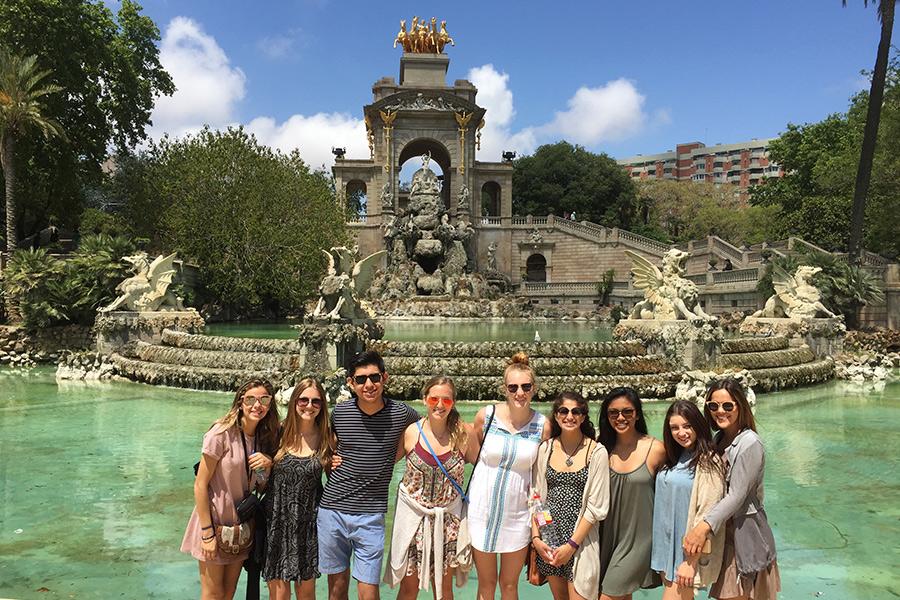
(547,527)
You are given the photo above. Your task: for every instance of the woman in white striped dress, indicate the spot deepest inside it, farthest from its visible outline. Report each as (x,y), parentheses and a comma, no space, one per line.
(498,515)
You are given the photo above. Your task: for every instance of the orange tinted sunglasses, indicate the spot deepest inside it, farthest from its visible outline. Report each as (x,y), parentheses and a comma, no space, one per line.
(432,401)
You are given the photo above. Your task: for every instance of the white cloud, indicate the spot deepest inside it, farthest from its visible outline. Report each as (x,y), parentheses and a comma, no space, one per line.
(495,96)
(314,136)
(209,87)
(595,115)
(607,113)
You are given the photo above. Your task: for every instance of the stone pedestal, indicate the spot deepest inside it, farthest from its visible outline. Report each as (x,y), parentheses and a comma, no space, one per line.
(329,344)
(424,70)
(691,345)
(825,337)
(117,328)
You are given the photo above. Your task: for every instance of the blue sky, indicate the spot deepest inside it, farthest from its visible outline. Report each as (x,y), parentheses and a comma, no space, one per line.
(617,77)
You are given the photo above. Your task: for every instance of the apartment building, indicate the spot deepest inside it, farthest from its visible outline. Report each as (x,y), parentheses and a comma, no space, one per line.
(742,164)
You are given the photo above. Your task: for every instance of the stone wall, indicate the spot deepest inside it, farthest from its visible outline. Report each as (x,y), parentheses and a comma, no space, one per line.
(19,347)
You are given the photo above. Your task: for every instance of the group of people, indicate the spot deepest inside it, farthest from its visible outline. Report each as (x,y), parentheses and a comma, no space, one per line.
(628,511)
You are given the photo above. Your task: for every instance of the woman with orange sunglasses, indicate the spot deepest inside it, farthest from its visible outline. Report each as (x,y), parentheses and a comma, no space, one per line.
(426,546)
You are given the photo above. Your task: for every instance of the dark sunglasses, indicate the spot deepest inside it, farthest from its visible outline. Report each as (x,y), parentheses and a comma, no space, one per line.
(361,379)
(626,413)
(512,388)
(576,412)
(304,401)
(726,406)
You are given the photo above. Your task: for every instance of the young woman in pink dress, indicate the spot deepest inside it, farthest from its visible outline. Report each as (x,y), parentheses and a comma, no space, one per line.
(236,455)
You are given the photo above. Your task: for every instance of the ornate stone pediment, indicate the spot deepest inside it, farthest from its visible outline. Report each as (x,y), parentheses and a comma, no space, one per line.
(443,101)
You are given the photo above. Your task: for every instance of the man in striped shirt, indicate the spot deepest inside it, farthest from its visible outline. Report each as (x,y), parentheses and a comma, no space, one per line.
(351,514)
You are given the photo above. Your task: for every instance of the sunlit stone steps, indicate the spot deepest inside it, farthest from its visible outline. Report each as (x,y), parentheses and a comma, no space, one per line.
(494,366)
(764,360)
(507,349)
(216,359)
(198,378)
(774,363)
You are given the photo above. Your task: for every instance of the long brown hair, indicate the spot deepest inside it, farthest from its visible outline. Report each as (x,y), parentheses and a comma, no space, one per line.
(458,435)
(290,433)
(704,447)
(267,430)
(736,391)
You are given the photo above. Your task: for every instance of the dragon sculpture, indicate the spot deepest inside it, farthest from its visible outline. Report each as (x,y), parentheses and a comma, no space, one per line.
(795,296)
(148,289)
(345,283)
(667,294)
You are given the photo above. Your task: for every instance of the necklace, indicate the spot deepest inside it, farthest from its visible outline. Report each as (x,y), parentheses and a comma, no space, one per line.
(569,455)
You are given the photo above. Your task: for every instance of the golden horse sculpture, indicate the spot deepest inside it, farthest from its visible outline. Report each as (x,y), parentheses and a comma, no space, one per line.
(423,37)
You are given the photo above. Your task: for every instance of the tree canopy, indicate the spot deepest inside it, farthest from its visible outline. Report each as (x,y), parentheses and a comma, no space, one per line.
(109,67)
(821,160)
(678,211)
(255,220)
(562,178)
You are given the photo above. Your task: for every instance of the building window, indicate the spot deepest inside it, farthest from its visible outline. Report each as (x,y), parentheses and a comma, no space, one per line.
(554,300)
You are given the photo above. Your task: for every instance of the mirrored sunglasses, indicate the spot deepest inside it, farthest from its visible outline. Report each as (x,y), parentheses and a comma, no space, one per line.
(512,388)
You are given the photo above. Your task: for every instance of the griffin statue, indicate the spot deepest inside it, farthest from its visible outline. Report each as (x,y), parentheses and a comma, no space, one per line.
(668,296)
(148,289)
(345,283)
(795,296)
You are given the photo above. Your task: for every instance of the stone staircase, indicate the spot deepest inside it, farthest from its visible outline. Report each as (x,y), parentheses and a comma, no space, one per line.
(591,368)
(774,363)
(207,362)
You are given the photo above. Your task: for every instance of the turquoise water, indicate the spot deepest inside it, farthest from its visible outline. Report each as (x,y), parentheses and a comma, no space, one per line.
(439,330)
(98,479)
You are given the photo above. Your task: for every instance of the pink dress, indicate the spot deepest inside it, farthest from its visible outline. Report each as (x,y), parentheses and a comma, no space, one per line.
(227,485)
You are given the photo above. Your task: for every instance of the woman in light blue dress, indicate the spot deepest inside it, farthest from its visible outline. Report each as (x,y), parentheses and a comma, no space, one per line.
(687,487)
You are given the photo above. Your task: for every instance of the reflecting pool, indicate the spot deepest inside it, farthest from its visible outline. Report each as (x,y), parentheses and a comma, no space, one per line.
(512,330)
(96,489)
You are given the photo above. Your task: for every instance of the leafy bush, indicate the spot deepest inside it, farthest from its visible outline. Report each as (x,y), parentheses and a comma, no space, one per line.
(95,221)
(47,290)
(31,283)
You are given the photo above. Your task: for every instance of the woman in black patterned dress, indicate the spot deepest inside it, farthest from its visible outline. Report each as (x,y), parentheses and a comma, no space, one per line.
(292,498)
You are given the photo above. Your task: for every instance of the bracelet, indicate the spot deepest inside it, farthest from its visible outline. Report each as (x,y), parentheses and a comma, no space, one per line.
(572,543)
(535,537)
(206,539)
(209,527)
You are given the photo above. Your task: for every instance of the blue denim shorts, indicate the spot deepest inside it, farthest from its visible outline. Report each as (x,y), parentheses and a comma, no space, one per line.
(358,534)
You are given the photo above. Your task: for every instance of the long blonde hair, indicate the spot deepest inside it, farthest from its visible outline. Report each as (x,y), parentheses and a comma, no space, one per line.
(290,434)
(267,430)
(458,435)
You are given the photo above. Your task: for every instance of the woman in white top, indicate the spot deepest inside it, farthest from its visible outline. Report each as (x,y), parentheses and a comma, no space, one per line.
(498,516)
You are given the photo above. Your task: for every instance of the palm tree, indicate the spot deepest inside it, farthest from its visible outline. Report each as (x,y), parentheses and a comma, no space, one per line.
(22,85)
(870,133)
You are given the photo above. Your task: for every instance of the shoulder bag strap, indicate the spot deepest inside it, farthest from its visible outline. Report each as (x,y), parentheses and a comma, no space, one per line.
(247,459)
(440,465)
(481,447)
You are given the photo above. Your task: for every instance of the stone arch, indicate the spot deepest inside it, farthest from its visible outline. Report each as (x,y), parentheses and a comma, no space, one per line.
(356,195)
(439,154)
(536,268)
(490,199)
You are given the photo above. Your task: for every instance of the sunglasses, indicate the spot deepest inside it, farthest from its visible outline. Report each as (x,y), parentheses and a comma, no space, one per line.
(715,406)
(626,413)
(576,412)
(251,400)
(361,379)
(433,401)
(303,401)
(512,388)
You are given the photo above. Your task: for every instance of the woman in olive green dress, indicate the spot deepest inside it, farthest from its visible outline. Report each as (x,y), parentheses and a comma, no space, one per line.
(634,458)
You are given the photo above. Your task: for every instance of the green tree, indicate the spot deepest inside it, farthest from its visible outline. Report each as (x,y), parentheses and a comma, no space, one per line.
(109,66)
(561,178)
(255,220)
(821,162)
(23,88)
(678,211)
(870,134)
